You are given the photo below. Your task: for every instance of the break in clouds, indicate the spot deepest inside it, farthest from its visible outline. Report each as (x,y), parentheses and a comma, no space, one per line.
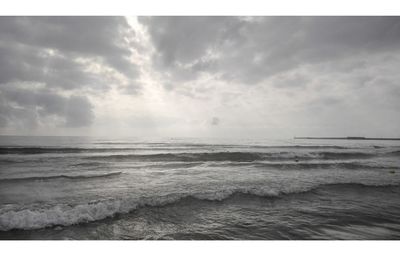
(200,76)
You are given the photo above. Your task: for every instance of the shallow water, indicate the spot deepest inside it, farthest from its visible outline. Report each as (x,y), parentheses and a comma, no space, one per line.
(88,188)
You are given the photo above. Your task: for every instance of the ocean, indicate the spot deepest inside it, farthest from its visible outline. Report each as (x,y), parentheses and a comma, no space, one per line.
(201,189)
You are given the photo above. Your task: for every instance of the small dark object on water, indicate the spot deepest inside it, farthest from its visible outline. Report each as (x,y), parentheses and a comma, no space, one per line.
(392,172)
(296,160)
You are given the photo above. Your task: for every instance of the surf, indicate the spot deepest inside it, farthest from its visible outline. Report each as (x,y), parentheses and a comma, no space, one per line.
(38,217)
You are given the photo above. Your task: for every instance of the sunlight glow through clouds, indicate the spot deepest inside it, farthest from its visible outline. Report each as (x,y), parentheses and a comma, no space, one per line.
(176,76)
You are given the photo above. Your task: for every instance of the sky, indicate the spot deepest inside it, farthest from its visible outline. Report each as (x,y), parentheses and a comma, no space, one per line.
(239,77)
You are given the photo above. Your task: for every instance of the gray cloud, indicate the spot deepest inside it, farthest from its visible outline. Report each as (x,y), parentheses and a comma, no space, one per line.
(185,39)
(28,106)
(215,121)
(68,57)
(290,81)
(78,112)
(314,75)
(101,37)
(47,49)
(24,63)
(282,75)
(250,50)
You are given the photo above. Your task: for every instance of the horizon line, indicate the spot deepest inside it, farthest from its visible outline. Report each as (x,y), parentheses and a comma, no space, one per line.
(348,138)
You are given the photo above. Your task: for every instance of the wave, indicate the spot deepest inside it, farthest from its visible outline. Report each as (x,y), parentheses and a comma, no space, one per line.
(131,143)
(311,165)
(255,146)
(184,157)
(72,177)
(343,155)
(304,147)
(89,164)
(63,150)
(72,150)
(205,145)
(66,215)
(161,146)
(394,153)
(235,156)
(45,150)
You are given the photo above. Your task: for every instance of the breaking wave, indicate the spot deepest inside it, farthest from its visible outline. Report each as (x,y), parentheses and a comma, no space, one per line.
(65,215)
(234,156)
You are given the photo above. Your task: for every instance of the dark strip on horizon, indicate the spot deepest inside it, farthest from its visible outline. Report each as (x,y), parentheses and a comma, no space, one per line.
(347,138)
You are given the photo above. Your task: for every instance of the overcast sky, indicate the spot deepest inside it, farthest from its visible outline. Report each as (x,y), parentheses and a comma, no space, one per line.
(242,77)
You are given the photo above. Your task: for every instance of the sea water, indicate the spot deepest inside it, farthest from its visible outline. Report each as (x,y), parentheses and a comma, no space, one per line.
(137,188)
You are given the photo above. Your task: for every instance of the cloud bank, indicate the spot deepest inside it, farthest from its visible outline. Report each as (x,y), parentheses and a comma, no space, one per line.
(50,65)
(183,76)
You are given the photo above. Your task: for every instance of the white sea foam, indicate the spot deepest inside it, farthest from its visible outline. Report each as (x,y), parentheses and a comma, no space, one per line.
(60,215)
(65,215)
(34,218)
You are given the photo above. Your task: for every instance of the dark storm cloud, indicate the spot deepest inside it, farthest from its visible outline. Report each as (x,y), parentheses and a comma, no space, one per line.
(251,49)
(60,54)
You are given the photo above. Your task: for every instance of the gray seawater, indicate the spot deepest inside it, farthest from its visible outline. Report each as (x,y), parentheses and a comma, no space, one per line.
(96,188)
